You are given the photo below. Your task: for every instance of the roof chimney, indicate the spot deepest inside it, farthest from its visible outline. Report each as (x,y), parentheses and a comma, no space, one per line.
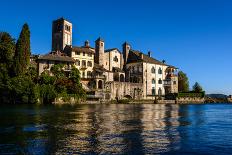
(149,53)
(141,55)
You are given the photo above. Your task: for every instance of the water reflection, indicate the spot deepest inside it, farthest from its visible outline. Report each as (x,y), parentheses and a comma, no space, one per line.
(104,129)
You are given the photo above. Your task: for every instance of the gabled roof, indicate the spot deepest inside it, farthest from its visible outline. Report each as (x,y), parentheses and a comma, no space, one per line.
(55,57)
(112,49)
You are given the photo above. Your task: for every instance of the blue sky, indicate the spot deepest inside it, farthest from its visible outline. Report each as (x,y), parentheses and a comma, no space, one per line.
(194,35)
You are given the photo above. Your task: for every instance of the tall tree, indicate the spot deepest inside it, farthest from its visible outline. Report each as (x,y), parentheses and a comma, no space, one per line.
(7,48)
(197,87)
(23,51)
(183,82)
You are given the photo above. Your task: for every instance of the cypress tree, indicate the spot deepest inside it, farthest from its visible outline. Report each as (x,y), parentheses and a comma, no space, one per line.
(23,51)
(183,82)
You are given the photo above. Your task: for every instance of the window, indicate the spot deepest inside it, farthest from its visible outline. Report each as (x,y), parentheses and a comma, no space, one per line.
(174,82)
(78,63)
(153,91)
(67,28)
(153,81)
(83,53)
(90,54)
(83,63)
(83,74)
(89,74)
(153,70)
(160,71)
(116,59)
(77,53)
(160,81)
(89,64)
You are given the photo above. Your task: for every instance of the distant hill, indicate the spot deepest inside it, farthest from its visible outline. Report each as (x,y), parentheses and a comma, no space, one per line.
(217,96)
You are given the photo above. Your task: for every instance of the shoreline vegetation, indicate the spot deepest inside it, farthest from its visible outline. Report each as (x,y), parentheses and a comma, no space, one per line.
(19,79)
(20,82)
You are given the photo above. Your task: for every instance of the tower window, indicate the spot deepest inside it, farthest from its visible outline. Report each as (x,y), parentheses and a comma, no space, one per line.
(116,59)
(67,28)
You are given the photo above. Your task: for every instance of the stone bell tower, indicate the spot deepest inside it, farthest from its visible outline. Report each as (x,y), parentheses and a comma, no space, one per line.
(61,34)
(99,51)
(126,49)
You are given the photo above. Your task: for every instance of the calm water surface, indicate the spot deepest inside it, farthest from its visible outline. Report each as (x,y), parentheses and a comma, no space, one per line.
(116,129)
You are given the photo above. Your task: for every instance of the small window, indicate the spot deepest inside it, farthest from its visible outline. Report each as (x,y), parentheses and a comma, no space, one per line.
(77,53)
(83,74)
(160,81)
(78,62)
(90,54)
(116,59)
(89,74)
(89,64)
(174,82)
(83,63)
(153,91)
(153,81)
(153,70)
(83,53)
(160,71)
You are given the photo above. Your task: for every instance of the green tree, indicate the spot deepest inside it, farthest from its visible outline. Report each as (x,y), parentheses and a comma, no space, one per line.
(197,88)
(23,51)
(7,48)
(183,82)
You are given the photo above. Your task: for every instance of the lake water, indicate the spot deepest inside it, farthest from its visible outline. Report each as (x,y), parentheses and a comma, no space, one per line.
(116,129)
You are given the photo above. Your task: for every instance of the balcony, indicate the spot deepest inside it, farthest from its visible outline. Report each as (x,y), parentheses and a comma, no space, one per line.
(83,67)
(167,82)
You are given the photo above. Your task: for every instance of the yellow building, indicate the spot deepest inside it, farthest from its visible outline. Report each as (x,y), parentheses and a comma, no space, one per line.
(84,59)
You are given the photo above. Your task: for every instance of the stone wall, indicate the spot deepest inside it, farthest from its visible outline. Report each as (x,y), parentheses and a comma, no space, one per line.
(187,100)
(119,90)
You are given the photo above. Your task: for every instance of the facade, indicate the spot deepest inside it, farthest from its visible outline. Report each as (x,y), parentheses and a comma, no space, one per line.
(45,62)
(110,73)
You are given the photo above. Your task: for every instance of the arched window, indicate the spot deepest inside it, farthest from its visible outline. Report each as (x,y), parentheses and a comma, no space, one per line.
(153,81)
(89,63)
(160,71)
(153,69)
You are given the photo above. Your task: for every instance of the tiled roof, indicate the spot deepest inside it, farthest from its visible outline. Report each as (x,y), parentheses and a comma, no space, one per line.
(55,57)
(79,49)
(136,56)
